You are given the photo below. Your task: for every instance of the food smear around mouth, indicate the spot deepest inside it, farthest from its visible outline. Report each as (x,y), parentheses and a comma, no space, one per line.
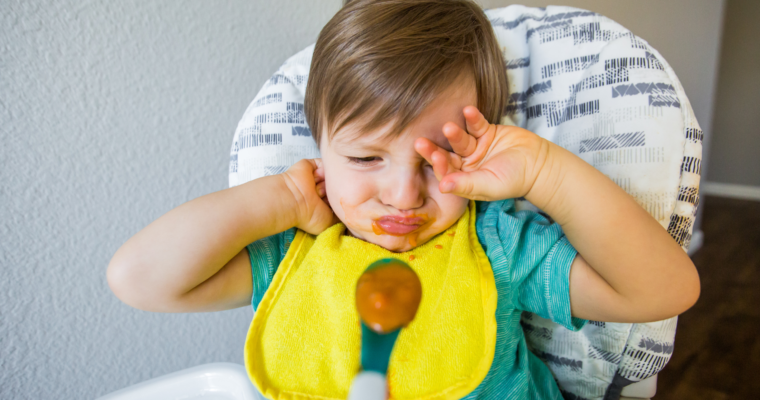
(402,226)
(388,294)
(410,227)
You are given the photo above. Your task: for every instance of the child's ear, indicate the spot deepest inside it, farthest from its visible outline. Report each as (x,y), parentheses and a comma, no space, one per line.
(320,170)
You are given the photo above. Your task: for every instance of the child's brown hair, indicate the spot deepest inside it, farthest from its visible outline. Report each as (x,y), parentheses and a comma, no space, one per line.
(385,60)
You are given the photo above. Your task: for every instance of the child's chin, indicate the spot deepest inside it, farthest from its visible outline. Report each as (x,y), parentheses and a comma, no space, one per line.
(398,244)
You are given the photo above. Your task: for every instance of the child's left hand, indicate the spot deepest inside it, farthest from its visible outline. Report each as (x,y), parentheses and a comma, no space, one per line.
(489,162)
(611,279)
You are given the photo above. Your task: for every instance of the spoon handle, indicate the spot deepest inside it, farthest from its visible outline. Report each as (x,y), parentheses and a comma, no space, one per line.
(368,385)
(376,349)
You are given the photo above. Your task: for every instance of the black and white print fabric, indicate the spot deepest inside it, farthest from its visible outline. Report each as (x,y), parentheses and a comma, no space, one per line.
(588,84)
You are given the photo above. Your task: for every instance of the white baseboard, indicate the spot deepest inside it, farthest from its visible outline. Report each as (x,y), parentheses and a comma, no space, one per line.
(731,190)
(697,239)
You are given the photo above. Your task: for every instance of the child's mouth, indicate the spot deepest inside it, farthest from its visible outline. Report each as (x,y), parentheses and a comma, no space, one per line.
(396,225)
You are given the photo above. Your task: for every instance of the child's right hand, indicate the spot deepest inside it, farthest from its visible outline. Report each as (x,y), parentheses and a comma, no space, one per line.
(194,258)
(306,181)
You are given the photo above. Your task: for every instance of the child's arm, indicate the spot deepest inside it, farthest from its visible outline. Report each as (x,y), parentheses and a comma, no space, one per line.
(194,257)
(630,270)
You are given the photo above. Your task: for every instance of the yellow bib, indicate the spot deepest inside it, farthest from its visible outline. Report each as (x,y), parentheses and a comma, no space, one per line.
(305,340)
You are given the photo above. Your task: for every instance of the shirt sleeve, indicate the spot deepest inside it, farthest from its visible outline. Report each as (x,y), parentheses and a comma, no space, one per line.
(266,255)
(536,257)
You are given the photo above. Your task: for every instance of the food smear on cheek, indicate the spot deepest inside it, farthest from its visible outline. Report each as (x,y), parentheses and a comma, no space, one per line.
(349,213)
(387,297)
(351,217)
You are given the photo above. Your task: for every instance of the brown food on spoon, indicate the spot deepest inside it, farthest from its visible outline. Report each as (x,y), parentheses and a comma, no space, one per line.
(387,296)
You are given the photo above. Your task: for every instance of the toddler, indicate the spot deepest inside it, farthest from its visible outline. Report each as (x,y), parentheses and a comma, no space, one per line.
(404,100)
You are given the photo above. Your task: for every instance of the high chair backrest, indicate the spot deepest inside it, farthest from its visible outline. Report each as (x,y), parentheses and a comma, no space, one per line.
(588,84)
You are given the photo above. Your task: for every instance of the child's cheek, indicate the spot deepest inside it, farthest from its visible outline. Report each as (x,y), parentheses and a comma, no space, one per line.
(347,193)
(451,206)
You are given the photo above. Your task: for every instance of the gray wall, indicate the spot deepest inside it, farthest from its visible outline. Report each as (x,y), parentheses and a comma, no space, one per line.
(113,113)
(735,149)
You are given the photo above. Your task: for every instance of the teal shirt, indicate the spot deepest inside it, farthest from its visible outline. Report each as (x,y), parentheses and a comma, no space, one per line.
(530,258)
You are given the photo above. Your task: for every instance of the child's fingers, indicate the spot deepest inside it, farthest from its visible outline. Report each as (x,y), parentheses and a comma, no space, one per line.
(427,148)
(321,189)
(475,121)
(445,162)
(441,160)
(319,171)
(424,147)
(475,185)
(461,142)
(440,165)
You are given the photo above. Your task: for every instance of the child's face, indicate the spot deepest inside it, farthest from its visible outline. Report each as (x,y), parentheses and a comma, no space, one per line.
(382,189)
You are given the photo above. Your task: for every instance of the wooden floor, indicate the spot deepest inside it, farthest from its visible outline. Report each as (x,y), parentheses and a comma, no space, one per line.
(717,348)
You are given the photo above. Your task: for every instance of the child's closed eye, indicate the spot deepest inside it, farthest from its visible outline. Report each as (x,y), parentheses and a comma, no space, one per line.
(364,161)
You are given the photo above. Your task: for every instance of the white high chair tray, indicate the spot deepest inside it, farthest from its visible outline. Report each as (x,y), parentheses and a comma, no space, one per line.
(215,381)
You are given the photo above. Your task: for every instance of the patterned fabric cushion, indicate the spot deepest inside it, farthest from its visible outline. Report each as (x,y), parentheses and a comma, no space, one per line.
(588,84)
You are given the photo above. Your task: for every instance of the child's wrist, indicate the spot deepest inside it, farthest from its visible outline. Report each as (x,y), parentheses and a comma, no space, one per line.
(292,201)
(272,196)
(549,188)
(294,205)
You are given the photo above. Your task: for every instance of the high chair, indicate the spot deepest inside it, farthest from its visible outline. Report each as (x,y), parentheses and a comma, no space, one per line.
(588,84)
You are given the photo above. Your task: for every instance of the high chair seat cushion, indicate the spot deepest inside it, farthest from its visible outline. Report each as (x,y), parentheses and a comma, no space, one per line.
(588,84)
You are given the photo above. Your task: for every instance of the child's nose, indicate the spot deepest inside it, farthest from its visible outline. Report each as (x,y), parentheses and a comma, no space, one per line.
(404,191)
